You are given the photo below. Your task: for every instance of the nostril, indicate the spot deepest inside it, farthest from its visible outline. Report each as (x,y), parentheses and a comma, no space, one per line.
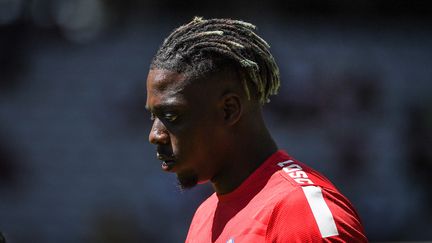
(157,136)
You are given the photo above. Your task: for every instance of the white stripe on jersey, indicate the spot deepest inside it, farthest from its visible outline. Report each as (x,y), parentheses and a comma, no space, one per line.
(320,210)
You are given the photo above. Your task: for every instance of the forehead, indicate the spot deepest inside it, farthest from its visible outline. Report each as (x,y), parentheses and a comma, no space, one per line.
(160,80)
(164,87)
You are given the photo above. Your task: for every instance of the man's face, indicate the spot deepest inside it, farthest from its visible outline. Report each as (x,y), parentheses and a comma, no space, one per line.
(187,127)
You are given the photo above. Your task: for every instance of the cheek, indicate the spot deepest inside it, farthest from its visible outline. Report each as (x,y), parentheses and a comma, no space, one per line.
(188,144)
(194,145)
(183,144)
(197,140)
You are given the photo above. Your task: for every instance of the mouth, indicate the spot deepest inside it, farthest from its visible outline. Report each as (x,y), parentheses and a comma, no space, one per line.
(168,165)
(168,162)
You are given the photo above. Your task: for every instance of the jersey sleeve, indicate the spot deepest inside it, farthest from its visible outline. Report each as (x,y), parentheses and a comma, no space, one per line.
(314,214)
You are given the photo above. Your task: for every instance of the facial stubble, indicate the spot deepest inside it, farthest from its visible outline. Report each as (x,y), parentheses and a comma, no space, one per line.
(187,180)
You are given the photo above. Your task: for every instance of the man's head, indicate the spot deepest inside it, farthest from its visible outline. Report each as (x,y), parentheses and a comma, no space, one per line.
(205,88)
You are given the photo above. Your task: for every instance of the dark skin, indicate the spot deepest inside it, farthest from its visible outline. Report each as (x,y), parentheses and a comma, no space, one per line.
(207,129)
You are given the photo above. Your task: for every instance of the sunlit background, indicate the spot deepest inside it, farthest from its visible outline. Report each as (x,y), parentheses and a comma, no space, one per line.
(75,163)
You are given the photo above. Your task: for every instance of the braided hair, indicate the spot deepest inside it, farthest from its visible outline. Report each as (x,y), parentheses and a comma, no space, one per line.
(204,46)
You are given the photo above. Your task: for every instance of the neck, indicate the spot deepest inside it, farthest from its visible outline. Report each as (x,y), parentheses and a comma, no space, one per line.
(244,158)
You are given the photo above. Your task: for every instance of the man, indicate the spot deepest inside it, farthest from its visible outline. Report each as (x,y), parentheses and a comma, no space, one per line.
(205,91)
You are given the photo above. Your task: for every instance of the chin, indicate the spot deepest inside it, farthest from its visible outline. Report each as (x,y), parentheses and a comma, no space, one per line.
(187,180)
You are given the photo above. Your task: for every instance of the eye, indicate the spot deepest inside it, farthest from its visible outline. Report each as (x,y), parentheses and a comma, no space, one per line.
(170,117)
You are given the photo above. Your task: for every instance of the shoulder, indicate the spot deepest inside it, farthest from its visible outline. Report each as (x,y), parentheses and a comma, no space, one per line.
(311,209)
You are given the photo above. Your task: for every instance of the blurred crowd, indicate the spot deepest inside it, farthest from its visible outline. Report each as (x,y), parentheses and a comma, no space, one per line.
(75,163)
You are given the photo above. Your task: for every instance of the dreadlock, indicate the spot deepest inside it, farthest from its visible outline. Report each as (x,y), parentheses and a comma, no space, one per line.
(205,46)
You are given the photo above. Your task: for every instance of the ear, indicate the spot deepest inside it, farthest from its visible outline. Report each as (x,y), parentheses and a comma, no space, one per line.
(232,108)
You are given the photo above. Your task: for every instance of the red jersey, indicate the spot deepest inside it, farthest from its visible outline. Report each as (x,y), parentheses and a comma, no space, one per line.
(282,201)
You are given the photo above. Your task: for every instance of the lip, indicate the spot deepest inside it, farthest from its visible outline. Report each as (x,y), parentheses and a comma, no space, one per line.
(168,165)
(168,162)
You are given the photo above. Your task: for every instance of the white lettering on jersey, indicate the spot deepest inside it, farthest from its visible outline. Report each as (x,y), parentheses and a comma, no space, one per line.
(282,164)
(295,171)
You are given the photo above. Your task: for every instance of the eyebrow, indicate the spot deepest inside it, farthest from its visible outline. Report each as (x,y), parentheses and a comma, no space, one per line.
(164,106)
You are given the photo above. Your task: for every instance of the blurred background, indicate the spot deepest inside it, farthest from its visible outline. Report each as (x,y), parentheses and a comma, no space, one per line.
(75,162)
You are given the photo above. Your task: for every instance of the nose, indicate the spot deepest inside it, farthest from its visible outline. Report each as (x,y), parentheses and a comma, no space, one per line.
(158,133)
